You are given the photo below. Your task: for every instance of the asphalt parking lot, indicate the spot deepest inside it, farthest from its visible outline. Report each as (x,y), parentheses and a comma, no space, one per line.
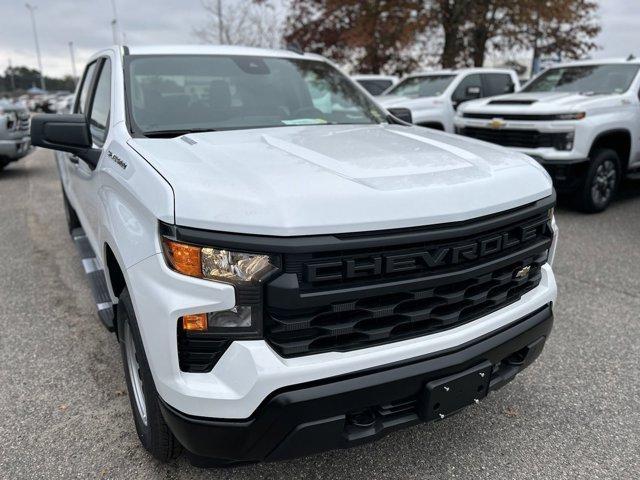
(64,411)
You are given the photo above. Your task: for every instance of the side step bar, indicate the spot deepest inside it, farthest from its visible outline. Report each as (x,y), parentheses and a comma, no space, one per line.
(97,279)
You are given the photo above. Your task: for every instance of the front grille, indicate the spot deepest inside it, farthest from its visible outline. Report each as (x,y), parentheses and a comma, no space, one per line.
(511,116)
(515,138)
(380,319)
(23,123)
(343,310)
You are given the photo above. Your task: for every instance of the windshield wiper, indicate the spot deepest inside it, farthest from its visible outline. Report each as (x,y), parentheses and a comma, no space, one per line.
(175,132)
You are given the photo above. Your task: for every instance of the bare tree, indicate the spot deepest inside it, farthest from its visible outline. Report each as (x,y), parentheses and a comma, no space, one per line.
(253,23)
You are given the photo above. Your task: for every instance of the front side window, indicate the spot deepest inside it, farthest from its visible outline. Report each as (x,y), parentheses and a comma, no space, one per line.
(590,79)
(101,106)
(470,87)
(174,94)
(498,84)
(424,86)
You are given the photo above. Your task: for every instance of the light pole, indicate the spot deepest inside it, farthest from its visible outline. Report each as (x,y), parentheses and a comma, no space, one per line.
(13,80)
(31,9)
(73,64)
(114,24)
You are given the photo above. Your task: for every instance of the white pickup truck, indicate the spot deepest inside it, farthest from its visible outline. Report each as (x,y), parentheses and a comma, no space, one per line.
(287,274)
(433,97)
(14,132)
(580,120)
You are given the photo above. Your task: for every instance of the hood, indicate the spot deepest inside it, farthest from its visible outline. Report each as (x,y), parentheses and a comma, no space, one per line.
(6,107)
(537,102)
(338,178)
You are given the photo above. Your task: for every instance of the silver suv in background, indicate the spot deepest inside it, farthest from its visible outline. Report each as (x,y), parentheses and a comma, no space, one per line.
(15,141)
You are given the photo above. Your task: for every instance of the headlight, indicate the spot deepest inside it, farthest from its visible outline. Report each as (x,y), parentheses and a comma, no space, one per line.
(239,268)
(235,267)
(570,116)
(563,141)
(245,271)
(12,119)
(554,243)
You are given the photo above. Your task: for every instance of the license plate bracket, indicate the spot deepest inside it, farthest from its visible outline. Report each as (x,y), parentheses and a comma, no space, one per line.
(447,395)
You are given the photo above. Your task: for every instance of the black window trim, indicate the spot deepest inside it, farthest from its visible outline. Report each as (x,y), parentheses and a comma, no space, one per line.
(94,85)
(84,79)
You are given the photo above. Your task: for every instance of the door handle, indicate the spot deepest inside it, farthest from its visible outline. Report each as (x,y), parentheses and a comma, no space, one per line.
(74,159)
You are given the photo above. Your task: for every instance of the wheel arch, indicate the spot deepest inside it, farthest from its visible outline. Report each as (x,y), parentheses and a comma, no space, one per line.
(618,140)
(432,125)
(115,276)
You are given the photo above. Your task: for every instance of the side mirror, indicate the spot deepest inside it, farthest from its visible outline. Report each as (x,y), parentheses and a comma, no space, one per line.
(403,114)
(472,92)
(67,133)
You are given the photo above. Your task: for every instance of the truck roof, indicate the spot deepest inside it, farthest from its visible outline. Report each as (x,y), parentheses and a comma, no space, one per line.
(455,71)
(598,61)
(217,50)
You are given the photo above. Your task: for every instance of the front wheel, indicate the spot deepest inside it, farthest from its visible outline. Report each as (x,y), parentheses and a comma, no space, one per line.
(601,181)
(152,430)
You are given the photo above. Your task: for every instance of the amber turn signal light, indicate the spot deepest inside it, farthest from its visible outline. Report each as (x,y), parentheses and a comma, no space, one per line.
(184,258)
(195,323)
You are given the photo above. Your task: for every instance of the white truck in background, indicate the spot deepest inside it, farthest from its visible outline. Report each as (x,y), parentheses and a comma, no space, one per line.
(433,97)
(375,84)
(580,120)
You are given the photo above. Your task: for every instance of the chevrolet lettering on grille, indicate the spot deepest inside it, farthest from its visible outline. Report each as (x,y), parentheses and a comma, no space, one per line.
(421,260)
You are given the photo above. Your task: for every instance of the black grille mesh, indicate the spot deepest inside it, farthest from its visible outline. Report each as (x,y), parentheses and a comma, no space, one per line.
(513,137)
(384,318)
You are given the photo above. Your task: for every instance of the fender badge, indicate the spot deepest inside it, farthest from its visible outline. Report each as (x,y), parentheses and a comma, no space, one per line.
(523,272)
(121,163)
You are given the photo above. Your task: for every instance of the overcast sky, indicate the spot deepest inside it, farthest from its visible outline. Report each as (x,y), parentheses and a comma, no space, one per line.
(87,24)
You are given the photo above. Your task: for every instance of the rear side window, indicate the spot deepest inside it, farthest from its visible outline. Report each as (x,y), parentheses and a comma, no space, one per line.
(81,104)
(101,106)
(497,84)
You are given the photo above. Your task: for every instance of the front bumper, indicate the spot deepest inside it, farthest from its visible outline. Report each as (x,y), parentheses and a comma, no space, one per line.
(546,155)
(250,370)
(16,148)
(354,408)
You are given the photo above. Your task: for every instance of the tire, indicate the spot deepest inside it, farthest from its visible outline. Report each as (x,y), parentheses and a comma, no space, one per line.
(152,430)
(73,221)
(601,181)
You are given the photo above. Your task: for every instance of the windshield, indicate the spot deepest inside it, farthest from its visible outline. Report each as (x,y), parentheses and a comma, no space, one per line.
(427,86)
(591,79)
(180,93)
(375,86)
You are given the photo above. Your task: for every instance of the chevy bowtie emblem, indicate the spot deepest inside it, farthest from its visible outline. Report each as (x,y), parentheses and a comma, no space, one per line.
(523,272)
(497,123)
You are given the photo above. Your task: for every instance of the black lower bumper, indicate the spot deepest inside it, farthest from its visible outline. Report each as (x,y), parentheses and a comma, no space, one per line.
(343,411)
(567,176)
